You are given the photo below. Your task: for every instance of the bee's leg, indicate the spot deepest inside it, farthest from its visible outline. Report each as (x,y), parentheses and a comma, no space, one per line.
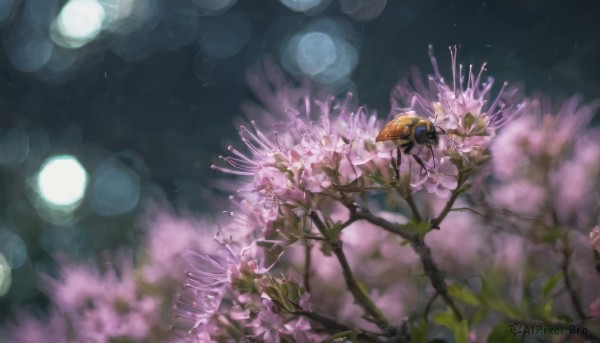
(420,162)
(398,162)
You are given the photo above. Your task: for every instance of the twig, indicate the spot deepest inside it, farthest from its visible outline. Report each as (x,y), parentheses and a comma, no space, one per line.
(307,264)
(461,209)
(413,206)
(428,306)
(361,297)
(333,324)
(429,266)
(434,274)
(435,223)
(572,294)
(403,230)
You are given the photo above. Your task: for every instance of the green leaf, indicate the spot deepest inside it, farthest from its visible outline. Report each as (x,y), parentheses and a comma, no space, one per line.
(550,283)
(460,329)
(420,227)
(326,249)
(502,333)
(463,294)
(350,334)
(479,315)
(418,331)
(492,300)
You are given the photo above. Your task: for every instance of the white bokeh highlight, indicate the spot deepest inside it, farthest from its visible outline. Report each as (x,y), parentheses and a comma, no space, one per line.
(62,181)
(79,22)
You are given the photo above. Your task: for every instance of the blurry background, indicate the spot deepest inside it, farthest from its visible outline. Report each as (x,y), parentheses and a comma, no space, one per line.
(106,105)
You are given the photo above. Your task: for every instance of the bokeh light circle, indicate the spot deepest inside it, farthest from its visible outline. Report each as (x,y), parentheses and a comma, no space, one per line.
(326,50)
(315,52)
(115,188)
(5,275)
(62,181)
(79,22)
(13,248)
(304,6)
(225,35)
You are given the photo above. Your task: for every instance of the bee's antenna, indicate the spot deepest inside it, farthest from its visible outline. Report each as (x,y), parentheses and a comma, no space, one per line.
(442,131)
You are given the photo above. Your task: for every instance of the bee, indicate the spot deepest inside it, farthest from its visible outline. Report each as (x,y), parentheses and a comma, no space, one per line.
(408,130)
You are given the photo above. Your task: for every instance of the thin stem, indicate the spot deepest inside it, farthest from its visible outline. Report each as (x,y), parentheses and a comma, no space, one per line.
(461,209)
(402,230)
(429,304)
(332,324)
(572,294)
(316,238)
(435,223)
(429,265)
(361,297)
(413,206)
(434,274)
(307,264)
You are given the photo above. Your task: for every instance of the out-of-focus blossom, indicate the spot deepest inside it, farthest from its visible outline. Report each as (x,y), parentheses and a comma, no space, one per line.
(549,161)
(96,306)
(595,308)
(595,238)
(30,329)
(520,196)
(459,243)
(169,236)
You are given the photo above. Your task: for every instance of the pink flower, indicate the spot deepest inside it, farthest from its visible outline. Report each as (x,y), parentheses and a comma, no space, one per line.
(168,236)
(30,329)
(594,308)
(98,306)
(595,238)
(462,108)
(443,179)
(208,278)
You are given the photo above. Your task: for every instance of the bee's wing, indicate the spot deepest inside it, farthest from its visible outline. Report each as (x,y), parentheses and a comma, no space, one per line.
(399,128)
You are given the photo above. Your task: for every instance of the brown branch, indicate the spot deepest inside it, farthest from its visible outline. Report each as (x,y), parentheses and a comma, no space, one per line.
(333,324)
(572,294)
(307,265)
(361,297)
(403,230)
(429,304)
(435,223)
(435,275)
(417,243)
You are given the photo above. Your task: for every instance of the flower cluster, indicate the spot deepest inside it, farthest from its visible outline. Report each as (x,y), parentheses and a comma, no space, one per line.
(548,162)
(96,306)
(229,296)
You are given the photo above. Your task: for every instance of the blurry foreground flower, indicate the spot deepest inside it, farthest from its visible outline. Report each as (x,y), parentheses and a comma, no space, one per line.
(229,296)
(595,238)
(96,306)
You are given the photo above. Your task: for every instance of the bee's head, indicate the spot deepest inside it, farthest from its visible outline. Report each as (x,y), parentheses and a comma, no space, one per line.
(426,133)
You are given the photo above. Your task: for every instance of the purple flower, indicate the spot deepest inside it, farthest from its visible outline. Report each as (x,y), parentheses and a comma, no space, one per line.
(169,236)
(30,329)
(461,108)
(208,278)
(96,306)
(595,238)
(443,179)
(549,157)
